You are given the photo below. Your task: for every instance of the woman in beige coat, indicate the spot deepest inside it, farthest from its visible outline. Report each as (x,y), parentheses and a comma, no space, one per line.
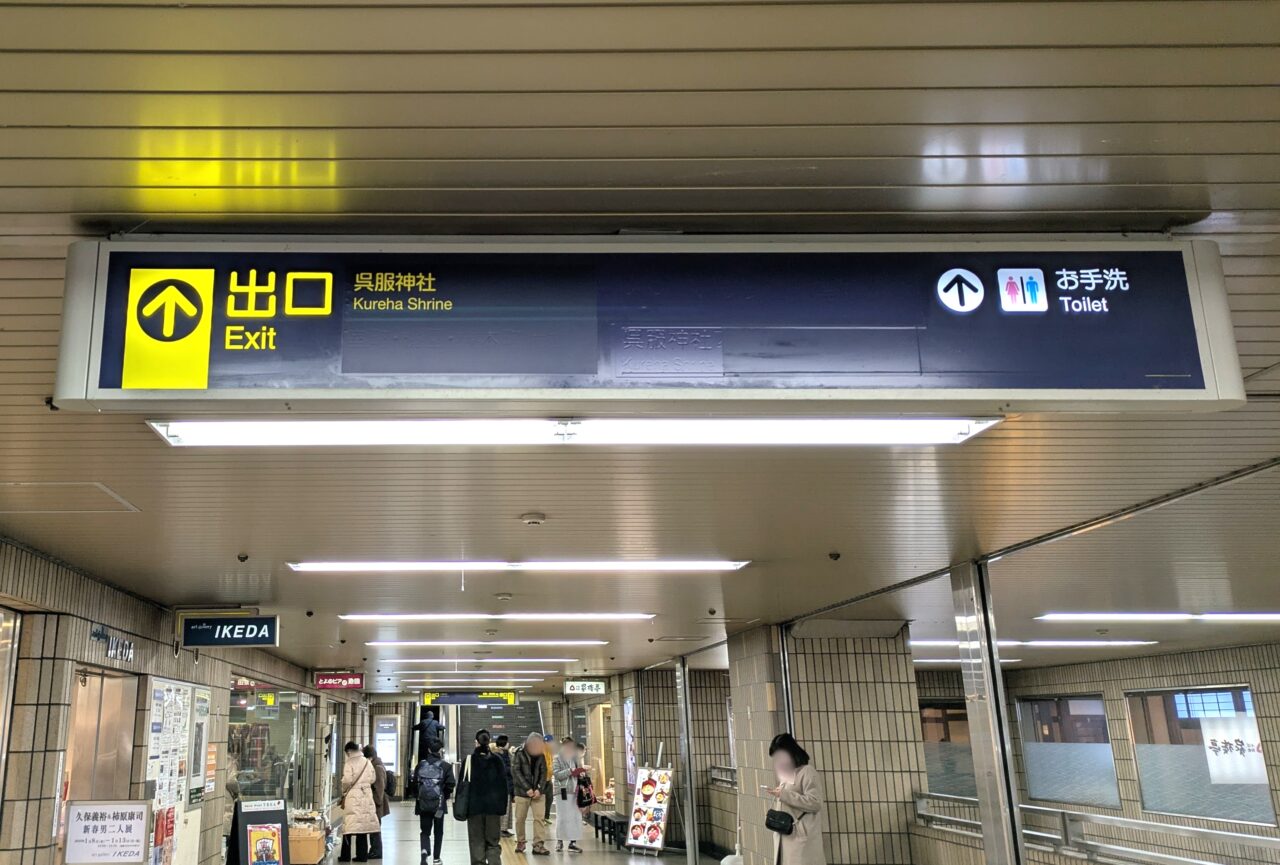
(799,793)
(359,813)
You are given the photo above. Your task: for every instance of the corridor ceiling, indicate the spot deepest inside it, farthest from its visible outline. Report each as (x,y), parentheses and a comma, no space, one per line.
(599,117)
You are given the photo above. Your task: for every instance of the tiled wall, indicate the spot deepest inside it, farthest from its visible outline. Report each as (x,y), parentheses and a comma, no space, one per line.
(857,714)
(660,724)
(755,683)
(52,646)
(621,688)
(717,803)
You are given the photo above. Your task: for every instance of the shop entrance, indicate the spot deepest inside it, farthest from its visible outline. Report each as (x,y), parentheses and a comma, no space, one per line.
(99,761)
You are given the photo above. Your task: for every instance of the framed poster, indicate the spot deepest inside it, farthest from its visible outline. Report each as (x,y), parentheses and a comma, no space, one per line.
(198,770)
(647,827)
(629,737)
(106,832)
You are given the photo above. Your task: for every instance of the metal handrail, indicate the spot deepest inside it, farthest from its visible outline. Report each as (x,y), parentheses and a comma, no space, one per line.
(1071,837)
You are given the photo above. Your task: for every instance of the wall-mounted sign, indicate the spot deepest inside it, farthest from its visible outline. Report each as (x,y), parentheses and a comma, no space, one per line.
(1034,324)
(230,631)
(119,648)
(468,698)
(1233,750)
(340,681)
(584,687)
(104,832)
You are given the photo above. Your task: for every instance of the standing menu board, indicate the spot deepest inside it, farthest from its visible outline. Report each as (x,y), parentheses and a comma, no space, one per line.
(649,810)
(199,770)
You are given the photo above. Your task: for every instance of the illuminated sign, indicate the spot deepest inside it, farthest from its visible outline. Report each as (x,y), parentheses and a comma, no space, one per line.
(340,681)
(468,698)
(581,687)
(225,631)
(1033,324)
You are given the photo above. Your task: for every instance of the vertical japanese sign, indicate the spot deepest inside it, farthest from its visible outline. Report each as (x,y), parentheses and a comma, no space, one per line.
(629,737)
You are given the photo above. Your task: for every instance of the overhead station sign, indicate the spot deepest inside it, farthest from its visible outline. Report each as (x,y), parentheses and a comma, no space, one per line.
(1004,325)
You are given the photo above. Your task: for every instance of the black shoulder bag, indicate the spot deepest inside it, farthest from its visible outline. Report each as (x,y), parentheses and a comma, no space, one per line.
(780,822)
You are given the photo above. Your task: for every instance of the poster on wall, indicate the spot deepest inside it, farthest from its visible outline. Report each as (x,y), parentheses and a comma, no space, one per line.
(198,775)
(106,832)
(647,828)
(168,761)
(629,738)
(1233,750)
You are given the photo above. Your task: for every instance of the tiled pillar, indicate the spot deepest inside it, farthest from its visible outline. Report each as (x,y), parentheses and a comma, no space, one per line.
(857,714)
(755,684)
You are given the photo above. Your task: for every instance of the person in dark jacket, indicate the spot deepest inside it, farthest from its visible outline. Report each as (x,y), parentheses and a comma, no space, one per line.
(503,747)
(529,776)
(486,802)
(379,798)
(435,785)
(429,729)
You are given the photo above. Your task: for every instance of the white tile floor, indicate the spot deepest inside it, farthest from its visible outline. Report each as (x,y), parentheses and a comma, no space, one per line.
(400,846)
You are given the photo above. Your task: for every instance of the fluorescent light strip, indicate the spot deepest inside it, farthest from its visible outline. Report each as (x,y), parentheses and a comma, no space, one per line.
(477,672)
(496,617)
(902,431)
(478,661)
(1040,644)
(958,661)
(623,565)
(1242,618)
(455,643)
(469,681)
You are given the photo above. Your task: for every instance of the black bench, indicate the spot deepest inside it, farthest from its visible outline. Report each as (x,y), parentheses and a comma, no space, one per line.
(611,826)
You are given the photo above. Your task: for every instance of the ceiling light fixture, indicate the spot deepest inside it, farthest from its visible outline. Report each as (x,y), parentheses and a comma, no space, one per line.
(468,681)
(477,672)
(625,565)
(591,431)
(456,643)
(1039,644)
(496,617)
(1242,618)
(958,661)
(478,661)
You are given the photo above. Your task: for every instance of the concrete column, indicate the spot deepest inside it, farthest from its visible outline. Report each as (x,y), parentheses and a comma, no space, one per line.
(755,684)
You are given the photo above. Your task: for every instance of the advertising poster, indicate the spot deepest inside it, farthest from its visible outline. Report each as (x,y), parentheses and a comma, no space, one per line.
(629,738)
(102,832)
(197,763)
(1233,750)
(648,824)
(264,843)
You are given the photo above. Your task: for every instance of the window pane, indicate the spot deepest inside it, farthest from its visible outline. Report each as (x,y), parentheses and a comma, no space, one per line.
(1199,754)
(947,757)
(1066,752)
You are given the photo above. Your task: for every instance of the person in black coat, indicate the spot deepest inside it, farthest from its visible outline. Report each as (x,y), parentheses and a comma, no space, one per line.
(503,746)
(429,730)
(486,801)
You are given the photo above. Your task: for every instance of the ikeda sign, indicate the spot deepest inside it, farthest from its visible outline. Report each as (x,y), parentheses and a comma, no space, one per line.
(230,631)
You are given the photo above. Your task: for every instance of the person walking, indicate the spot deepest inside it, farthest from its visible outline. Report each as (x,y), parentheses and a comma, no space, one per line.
(486,802)
(360,814)
(504,751)
(529,777)
(799,794)
(565,771)
(380,803)
(435,784)
(428,729)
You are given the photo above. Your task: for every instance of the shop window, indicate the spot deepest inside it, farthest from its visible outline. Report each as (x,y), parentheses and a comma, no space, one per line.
(1200,754)
(1066,751)
(262,739)
(947,757)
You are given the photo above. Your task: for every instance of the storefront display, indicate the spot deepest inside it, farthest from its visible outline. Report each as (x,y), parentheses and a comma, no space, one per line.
(262,738)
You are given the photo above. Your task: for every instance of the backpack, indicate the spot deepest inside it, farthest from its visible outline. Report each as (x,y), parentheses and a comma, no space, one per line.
(430,777)
(391,784)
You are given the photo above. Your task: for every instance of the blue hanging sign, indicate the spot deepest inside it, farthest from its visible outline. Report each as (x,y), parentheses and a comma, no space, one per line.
(1027,324)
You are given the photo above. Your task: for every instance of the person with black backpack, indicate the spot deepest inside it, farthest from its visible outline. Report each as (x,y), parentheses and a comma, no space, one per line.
(435,785)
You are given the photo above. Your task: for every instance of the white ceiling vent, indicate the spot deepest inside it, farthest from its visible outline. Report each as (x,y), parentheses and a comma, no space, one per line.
(62,497)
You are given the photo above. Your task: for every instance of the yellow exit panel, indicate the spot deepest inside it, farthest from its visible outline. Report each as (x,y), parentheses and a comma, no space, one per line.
(167,330)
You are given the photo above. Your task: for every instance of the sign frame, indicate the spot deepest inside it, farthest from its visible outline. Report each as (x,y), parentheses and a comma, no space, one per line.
(80,356)
(186,619)
(330,680)
(586,688)
(144,839)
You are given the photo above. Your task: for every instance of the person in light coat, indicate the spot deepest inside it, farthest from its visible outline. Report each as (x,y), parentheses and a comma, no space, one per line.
(565,770)
(360,814)
(799,793)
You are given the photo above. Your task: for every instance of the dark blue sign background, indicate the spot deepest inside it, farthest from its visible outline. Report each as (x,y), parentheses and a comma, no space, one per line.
(717,320)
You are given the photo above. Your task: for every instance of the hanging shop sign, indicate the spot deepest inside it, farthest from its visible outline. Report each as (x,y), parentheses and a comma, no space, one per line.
(340,681)
(224,631)
(102,832)
(1028,324)
(647,827)
(579,688)
(468,698)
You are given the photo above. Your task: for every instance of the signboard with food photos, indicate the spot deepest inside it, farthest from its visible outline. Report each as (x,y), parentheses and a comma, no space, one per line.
(648,827)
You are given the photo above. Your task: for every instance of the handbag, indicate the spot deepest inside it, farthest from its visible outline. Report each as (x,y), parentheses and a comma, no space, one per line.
(780,822)
(462,794)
